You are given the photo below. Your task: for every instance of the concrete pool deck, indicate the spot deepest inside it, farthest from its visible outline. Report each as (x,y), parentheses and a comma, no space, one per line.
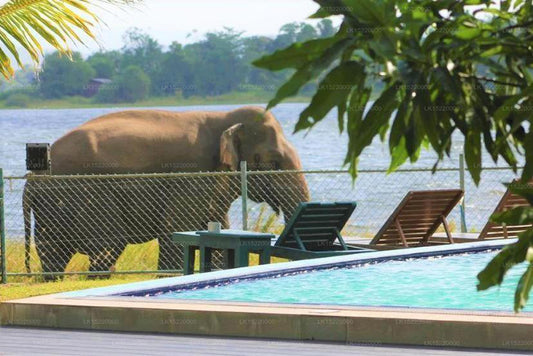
(101,309)
(14,341)
(378,326)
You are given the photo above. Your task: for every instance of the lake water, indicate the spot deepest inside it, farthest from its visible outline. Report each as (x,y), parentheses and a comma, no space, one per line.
(320,149)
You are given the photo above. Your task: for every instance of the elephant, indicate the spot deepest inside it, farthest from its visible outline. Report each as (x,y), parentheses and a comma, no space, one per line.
(154,141)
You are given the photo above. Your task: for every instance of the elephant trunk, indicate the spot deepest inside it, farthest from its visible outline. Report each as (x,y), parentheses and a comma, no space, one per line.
(295,192)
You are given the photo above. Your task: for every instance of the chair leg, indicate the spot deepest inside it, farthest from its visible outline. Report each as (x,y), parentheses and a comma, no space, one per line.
(264,257)
(447,229)
(400,231)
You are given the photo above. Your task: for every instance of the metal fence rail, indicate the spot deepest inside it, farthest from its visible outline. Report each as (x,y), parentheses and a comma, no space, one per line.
(121,224)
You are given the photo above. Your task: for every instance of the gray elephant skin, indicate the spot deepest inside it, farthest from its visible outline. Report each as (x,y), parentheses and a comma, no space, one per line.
(99,217)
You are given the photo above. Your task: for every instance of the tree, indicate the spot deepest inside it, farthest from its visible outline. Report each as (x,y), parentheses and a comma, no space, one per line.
(253,48)
(216,64)
(63,76)
(142,51)
(325,28)
(22,24)
(294,32)
(129,86)
(442,66)
(105,64)
(174,74)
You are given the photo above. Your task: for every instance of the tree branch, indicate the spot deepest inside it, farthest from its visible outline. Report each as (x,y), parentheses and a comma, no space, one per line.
(490,80)
(518,25)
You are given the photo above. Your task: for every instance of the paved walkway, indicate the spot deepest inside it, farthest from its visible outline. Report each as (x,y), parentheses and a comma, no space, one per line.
(22,341)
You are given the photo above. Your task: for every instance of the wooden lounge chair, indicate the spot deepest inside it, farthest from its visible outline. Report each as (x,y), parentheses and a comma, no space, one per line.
(314,231)
(416,219)
(493,231)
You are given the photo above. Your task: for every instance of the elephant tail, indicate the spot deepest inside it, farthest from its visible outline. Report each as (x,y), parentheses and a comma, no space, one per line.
(26,209)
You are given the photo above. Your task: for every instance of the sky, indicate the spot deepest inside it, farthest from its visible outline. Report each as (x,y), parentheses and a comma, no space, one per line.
(186,21)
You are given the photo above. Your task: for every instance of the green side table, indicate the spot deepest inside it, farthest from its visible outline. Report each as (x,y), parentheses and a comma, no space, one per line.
(236,244)
(190,241)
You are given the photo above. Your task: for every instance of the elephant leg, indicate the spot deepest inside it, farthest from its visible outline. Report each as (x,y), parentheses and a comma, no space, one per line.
(170,255)
(104,260)
(54,258)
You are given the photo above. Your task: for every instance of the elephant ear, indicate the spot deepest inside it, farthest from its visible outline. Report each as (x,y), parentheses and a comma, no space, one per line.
(230,147)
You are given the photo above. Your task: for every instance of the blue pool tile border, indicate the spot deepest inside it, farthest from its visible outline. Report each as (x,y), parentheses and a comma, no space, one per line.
(271,270)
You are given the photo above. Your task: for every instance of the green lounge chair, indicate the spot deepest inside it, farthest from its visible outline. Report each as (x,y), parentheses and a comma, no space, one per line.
(314,231)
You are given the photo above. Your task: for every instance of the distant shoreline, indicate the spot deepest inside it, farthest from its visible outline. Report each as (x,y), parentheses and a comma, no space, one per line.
(87,103)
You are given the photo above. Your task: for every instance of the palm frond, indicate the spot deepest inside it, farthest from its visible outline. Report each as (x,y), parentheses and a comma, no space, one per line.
(27,23)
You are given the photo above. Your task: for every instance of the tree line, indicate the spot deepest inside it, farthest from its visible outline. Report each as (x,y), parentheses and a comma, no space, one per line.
(217,64)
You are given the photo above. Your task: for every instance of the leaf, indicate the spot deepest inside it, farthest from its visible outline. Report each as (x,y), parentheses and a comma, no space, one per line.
(523,190)
(467,34)
(367,11)
(308,72)
(447,81)
(473,154)
(296,55)
(527,173)
(524,287)
(26,23)
(397,146)
(516,216)
(332,92)
(493,274)
(363,132)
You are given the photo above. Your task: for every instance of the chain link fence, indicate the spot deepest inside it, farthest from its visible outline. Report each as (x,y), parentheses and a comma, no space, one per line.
(122,224)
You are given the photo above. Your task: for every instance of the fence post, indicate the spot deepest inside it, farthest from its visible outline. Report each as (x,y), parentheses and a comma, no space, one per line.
(462,185)
(244,195)
(3,267)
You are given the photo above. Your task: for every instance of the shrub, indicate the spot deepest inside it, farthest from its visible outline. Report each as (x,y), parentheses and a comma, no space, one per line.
(129,86)
(17,100)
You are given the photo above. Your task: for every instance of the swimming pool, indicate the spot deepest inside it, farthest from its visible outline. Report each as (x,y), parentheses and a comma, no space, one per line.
(419,296)
(443,282)
(438,277)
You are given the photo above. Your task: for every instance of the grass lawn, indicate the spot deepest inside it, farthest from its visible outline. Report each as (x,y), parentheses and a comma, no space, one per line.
(30,289)
(135,257)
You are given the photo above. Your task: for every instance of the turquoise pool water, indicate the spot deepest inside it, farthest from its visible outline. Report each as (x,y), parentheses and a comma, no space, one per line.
(438,282)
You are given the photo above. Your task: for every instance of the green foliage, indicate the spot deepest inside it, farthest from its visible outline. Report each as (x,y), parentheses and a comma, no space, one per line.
(17,100)
(142,51)
(218,64)
(521,252)
(436,67)
(130,86)
(175,72)
(104,66)
(30,23)
(62,76)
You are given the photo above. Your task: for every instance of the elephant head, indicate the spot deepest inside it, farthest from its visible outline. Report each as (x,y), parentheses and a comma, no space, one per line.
(257,138)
